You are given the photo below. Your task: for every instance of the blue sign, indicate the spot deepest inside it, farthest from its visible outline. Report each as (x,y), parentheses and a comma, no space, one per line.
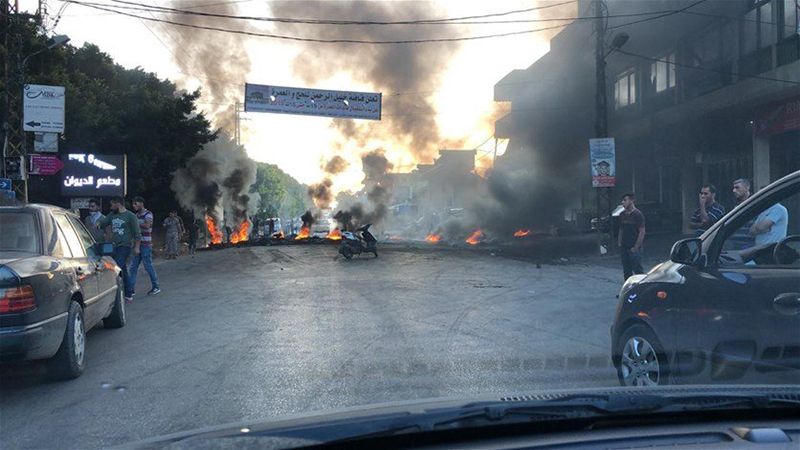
(5,184)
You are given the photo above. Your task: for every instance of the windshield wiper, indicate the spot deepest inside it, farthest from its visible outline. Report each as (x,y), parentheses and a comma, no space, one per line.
(603,405)
(570,407)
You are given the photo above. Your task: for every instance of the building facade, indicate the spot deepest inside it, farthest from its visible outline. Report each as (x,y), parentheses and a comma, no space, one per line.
(708,94)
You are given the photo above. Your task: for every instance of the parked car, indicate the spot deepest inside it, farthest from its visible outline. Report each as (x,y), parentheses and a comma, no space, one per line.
(717,312)
(56,283)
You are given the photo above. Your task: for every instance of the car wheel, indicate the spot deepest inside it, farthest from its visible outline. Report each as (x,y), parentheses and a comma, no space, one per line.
(641,360)
(118,316)
(69,360)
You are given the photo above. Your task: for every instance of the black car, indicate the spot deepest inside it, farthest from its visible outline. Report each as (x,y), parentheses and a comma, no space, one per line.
(56,283)
(725,308)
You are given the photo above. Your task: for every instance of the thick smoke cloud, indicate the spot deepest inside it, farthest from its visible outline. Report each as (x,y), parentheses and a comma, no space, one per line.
(413,70)
(378,189)
(216,182)
(336,165)
(219,60)
(321,193)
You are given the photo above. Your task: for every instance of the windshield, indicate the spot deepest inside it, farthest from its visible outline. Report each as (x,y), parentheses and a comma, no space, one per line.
(18,232)
(301,206)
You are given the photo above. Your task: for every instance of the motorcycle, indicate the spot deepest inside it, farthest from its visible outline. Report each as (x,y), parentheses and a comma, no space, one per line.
(358,242)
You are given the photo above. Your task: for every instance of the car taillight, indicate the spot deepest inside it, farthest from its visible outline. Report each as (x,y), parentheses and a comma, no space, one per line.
(17,299)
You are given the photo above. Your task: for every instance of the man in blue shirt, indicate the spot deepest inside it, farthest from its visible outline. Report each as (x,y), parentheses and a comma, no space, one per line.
(709,211)
(770,226)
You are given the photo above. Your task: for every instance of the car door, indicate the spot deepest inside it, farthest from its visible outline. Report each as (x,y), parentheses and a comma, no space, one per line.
(84,268)
(768,289)
(104,265)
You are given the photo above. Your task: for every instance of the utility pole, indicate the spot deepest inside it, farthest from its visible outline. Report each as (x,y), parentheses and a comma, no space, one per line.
(14,144)
(601,110)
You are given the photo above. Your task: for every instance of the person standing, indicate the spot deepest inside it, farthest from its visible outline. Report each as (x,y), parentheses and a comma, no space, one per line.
(709,212)
(741,238)
(631,236)
(194,230)
(174,230)
(145,219)
(122,229)
(91,220)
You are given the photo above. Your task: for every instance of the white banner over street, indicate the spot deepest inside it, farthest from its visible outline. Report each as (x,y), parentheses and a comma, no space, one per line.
(312,102)
(43,108)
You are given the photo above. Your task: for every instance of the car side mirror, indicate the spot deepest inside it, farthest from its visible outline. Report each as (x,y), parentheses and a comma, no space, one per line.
(689,252)
(104,248)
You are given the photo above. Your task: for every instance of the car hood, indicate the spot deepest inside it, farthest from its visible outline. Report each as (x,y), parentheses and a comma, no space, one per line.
(322,427)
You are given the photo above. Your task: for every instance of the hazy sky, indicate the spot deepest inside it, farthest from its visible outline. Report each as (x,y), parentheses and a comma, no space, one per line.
(461,92)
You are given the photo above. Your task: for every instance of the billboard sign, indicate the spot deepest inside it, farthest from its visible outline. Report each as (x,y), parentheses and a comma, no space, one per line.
(602,156)
(86,174)
(45,142)
(43,108)
(312,102)
(45,165)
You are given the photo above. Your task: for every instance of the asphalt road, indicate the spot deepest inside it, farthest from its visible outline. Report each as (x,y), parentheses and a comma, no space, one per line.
(253,333)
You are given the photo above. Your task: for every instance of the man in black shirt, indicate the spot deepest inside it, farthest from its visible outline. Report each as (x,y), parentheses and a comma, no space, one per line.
(631,236)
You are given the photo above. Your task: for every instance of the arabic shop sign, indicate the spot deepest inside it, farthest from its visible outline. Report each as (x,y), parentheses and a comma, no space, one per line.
(86,174)
(312,102)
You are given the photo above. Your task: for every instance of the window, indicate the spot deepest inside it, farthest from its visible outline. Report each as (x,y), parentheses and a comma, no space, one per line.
(754,242)
(85,237)
(18,232)
(759,28)
(662,73)
(73,241)
(791,11)
(768,25)
(625,89)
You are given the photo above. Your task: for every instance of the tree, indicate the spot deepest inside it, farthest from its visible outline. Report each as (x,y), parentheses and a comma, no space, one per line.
(281,195)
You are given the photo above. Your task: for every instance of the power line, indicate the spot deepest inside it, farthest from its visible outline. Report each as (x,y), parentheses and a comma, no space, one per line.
(454,21)
(708,69)
(677,11)
(341,22)
(324,41)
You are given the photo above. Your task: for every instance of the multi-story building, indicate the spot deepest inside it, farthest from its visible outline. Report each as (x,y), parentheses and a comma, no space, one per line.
(700,93)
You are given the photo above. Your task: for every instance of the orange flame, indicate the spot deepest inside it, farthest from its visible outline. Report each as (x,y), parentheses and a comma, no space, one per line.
(213,232)
(304,233)
(241,235)
(278,235)
(433,238)
(475,238)
(334,235)
(522,233)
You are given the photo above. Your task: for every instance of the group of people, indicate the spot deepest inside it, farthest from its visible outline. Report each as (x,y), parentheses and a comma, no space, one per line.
(768,227)
(131,232)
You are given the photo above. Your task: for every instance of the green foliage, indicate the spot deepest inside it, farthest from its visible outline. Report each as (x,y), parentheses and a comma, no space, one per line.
(113,110)
(281,195)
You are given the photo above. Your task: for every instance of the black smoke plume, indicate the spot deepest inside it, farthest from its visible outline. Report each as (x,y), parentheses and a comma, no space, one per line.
(219,60)
(412,70)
